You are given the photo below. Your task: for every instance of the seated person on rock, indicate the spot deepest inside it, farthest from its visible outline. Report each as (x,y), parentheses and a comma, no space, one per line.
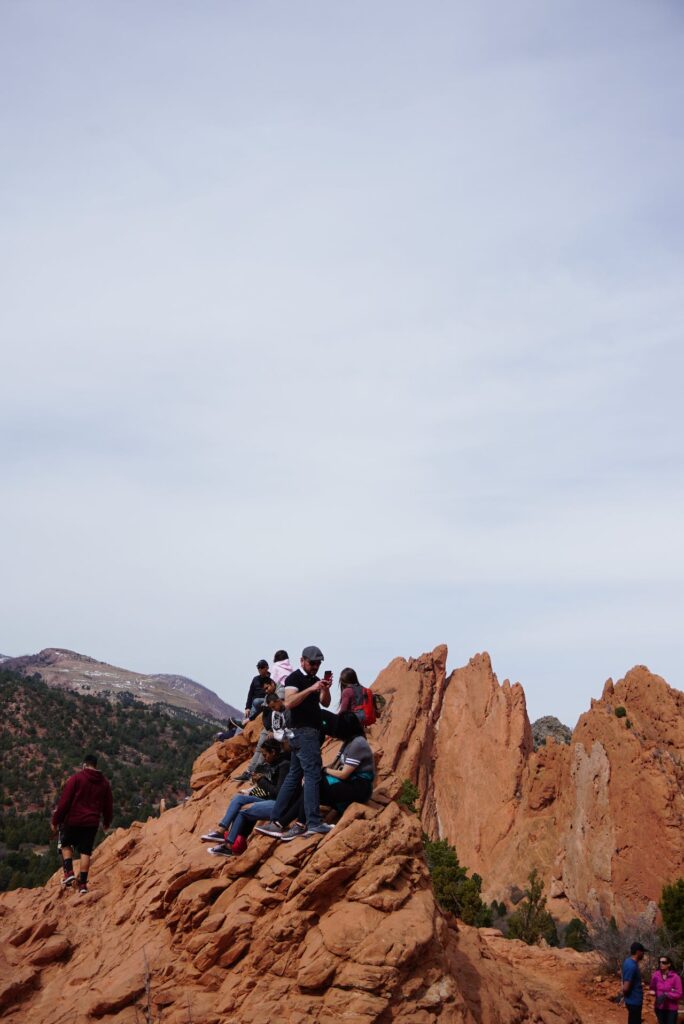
(242,816)
(276,727)
(348,780)
(265,787)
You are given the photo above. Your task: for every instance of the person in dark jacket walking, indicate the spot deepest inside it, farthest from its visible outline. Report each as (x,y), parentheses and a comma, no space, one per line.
(86,797)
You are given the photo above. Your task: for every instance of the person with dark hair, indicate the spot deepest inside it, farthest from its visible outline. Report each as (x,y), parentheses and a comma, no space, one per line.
(666,986)
(349,688)
(347,781)
(632,988)
(256,693)
(282,667)
(273,699)
(263,789)
(86,797)
(304,695)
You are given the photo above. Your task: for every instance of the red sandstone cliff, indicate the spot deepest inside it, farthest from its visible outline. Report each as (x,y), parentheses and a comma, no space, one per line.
(601,818)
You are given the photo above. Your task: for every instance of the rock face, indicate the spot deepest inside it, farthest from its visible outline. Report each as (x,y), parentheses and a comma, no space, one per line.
(345,928)
(588,815)
(72,671)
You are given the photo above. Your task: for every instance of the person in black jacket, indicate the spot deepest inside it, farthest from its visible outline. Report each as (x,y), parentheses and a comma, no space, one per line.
(256,693)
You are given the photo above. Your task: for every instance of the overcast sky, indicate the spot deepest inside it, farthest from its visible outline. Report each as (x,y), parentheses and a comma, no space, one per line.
(352,324)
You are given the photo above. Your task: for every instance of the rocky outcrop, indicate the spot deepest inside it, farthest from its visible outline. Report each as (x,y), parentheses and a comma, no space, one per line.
(345,928)
(588,814)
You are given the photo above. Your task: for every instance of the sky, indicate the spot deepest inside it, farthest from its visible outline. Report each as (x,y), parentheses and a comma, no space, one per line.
(349,324)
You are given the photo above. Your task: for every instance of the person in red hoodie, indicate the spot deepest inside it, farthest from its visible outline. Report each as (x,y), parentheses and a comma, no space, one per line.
(86,797)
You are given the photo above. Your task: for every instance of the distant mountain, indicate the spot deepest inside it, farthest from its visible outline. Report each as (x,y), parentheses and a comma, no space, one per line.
(69,670)
(4,657)
(548,726)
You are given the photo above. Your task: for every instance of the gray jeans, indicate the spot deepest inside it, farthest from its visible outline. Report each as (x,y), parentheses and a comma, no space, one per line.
(257,756)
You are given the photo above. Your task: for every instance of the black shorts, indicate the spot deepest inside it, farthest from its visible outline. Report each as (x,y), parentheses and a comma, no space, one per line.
(80,836)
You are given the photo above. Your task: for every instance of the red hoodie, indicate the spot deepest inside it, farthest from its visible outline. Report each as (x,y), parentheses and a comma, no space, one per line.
(86,796)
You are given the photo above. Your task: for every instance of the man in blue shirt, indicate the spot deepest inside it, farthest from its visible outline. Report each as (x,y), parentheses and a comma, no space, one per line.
(631,983)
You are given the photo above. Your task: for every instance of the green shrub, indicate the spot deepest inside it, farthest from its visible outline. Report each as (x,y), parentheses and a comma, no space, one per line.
(620,712)
(577,936)
(531,921)
(408,796)
(672,908)
(454,891)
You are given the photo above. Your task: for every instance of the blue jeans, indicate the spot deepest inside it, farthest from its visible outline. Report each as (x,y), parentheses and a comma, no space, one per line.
(257,705)
(305,761)
(260,810)
(234,808)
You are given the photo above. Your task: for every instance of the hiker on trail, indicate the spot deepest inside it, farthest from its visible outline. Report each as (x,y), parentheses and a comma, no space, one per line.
(304,695)
(348,780)
(86,797)
(272,702)
(243,816)
(666,986)
(632,988)
(256,693)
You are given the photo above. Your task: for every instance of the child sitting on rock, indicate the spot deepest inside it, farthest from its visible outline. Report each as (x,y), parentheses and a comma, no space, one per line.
(275,764)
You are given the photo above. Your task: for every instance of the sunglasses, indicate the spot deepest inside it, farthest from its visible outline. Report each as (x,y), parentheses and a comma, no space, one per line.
(663,961)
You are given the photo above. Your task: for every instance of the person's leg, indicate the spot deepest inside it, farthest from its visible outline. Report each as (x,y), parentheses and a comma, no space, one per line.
(67,853)
(291,785)
(257,757)
(310,757)
(345,792)
(234,808)
(86,841)
(260,810)
(634,1015)
(257,705)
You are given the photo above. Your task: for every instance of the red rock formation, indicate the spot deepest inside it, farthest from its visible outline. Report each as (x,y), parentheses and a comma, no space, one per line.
(589,815)
(345,929)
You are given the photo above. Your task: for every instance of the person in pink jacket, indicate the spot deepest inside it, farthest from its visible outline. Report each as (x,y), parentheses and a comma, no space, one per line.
(666,985)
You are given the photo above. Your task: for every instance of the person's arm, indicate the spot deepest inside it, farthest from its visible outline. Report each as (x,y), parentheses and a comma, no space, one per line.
(346,700)
(295,697)
(652,985)
(676,987)
(324,692)
(628,982)
(65,800)
(342,773)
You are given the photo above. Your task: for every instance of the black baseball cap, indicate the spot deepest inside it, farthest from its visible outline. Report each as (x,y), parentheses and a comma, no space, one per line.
(262,663)
(636,947)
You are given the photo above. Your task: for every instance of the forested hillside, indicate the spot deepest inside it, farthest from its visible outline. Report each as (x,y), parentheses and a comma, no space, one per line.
(146,752)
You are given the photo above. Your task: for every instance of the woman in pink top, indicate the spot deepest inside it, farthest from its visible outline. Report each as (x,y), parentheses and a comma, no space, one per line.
(667,988)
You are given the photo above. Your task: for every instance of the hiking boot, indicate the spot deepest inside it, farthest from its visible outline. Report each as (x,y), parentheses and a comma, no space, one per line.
(293,832)
(83,889)
(319,830)
(271,828)
(214,837)
(239,846)
(244,777)
(69,878)
(224,850)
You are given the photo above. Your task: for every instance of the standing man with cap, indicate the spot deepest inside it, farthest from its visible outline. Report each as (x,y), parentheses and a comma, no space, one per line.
(304,694)
(632,988)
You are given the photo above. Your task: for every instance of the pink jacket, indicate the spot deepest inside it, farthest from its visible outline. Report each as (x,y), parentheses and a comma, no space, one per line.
(668,987)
